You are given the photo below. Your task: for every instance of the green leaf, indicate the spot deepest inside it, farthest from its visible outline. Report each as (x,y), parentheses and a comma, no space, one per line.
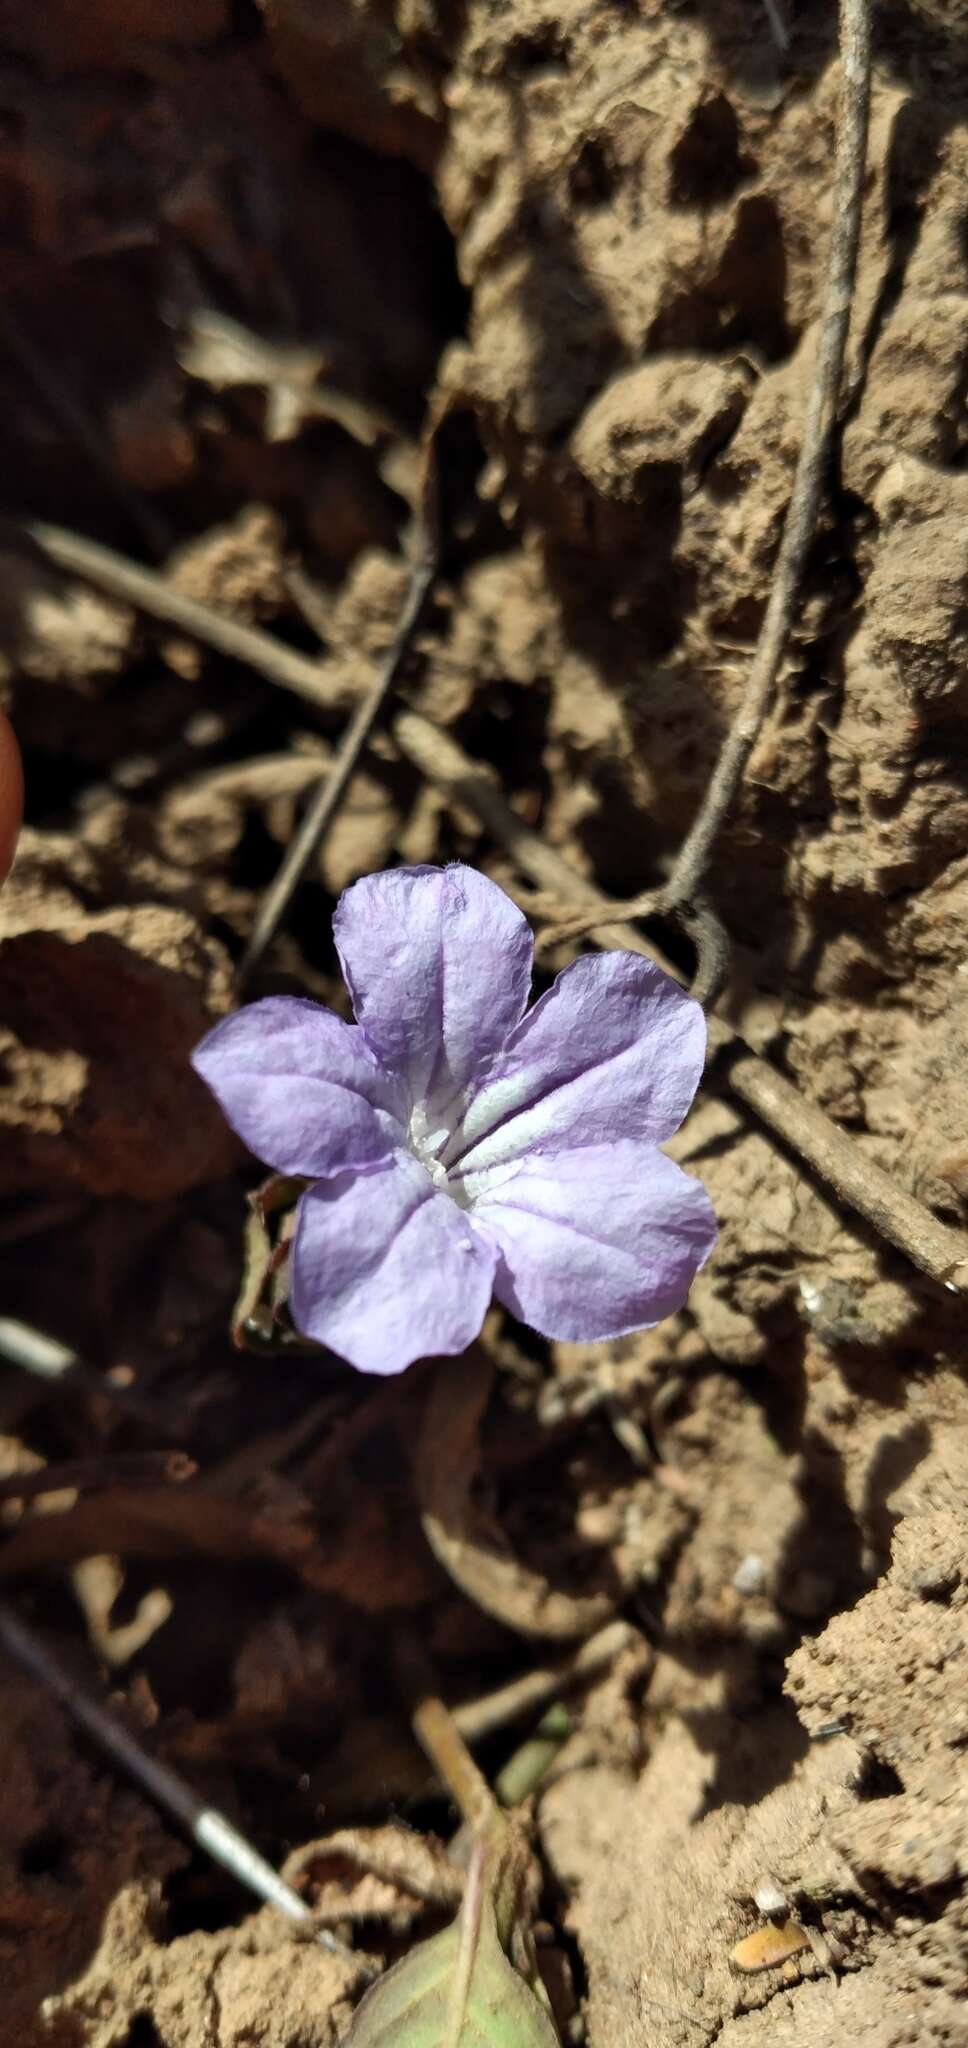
(423,2002)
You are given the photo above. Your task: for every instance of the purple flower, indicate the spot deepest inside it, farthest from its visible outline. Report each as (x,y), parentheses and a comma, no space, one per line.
(460,1148)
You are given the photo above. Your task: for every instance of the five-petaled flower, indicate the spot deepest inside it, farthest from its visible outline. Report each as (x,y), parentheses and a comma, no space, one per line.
(461,1145)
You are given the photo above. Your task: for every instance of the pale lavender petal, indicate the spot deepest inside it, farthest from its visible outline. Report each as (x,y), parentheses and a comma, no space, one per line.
(614,1050)
(438,963)
(597,1242)
(301,1088)
(385,1270)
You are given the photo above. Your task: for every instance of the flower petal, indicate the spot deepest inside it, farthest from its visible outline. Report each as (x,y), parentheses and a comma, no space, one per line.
(438,962)
(386,1270)
(301,1088)
(615,1049)
(597,1242)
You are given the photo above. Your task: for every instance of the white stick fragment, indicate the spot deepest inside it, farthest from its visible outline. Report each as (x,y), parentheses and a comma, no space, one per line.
(34,1350)
(477,1719)
(210,1829)
(781,33)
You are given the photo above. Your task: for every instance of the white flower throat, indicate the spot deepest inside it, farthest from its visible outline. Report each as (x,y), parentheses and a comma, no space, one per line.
(462,1163)
(429,1135)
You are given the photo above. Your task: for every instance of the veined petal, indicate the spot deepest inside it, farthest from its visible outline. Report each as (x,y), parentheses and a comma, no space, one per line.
(597,1242)
(301,1088)
(614,1050)
(438,963)
(386,1270)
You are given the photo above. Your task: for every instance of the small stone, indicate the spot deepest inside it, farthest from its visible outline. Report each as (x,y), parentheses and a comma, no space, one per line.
(936,1581)
(770,1900)
(750,1575)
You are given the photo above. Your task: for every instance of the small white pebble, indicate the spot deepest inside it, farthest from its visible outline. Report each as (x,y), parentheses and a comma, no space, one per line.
(750,1575)
(769,1899)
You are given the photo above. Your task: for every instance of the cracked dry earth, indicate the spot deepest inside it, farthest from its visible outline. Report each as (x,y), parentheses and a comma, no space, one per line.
(270,230)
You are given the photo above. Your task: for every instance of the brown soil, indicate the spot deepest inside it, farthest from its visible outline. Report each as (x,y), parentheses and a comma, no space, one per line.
(241,245)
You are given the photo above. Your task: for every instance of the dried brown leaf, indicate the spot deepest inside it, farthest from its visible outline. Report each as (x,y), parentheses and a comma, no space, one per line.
(462,1537)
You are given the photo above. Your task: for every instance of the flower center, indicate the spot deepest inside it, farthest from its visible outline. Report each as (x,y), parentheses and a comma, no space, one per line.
(429,1133)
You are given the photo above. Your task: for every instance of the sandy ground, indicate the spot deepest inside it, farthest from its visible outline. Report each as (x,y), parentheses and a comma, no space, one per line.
(241,247)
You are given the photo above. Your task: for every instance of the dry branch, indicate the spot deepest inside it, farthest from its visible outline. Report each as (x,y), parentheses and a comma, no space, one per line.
(424,552)
(148,592)
(806,1130)
(93,1475)
(212,1830)
(477,1719)
(685,882)
(336,781)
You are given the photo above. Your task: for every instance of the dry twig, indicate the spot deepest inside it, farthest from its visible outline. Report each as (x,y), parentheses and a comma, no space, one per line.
(778,27)
(92,1475)
(685,883)
(333,787)
(477,1719)
(212,1830)
(148,592)
(698,919)
(336,780)
(444,1747)
(59,1368)
(935,1247)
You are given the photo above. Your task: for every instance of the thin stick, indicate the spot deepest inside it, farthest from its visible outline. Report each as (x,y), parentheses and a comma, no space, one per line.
(579,923)
(308,599)
(212,1830)
(336,781)
(693,859)
(781,34)
(469,785)
(477,1719)
(935,1247)
(34,1351)
(57,1366)
(93,1475)
(469,1935)
(436,1731)
(700,922)
(441,1740)
(151,593)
